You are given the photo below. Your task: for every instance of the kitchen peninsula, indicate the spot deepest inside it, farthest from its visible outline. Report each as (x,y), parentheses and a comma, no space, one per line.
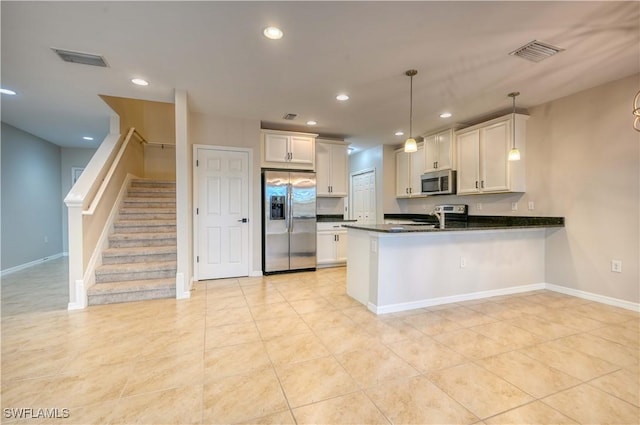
(394,267)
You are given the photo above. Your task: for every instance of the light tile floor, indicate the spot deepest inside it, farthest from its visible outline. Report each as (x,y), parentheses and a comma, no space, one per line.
(295,349)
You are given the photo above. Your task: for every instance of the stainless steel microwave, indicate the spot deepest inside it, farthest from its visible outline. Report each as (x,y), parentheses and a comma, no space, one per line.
(439,183)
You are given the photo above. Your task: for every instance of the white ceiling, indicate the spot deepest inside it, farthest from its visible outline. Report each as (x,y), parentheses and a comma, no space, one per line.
(216,52)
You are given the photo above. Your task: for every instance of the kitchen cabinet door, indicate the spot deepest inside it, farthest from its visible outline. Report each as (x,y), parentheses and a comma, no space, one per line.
(439,151)
(445,159)
(276,148)
(402,174)
(431,151)
(325,248)
(416,171)
(469,162)
(339,170)
(341,247)
(302,150)
(495,142)
(409,169)
(331,169)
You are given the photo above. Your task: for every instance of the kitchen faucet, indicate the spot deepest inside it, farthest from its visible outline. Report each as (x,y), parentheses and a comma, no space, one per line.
(440,215)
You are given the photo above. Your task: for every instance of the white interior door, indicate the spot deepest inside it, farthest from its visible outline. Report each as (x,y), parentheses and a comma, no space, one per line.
(222,213)
(363,199)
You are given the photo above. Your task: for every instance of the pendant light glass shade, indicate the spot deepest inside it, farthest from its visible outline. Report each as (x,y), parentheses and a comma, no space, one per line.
(514,153)
(410,144)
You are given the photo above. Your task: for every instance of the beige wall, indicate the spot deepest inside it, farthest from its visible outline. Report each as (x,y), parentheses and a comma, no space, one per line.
(235,132)
(585,162)
(154,120)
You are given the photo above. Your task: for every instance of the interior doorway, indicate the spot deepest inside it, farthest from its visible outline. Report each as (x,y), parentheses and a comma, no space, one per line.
(362,197)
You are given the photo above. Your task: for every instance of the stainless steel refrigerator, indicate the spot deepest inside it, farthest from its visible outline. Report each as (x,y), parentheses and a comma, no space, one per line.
(288,221)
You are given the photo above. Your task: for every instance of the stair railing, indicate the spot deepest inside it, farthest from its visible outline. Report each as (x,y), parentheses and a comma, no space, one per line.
(92,204)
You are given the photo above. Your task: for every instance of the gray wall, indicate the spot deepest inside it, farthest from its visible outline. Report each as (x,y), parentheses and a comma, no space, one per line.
(31,197)
(70,157)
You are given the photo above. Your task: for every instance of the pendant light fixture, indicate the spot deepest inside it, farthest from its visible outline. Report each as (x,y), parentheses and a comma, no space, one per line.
(410,144)
(514,153)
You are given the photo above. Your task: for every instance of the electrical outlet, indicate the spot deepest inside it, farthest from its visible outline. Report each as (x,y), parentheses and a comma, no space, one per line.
(532,206)
(46,239)
(514,206)
(616,266)
(374,246)
(479,206)
(463,262)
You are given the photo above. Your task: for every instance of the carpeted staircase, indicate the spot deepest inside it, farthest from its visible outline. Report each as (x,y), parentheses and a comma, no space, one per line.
(140,263)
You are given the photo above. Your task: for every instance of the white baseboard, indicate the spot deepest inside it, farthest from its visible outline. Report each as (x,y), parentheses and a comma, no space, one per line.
(81,297)
(182,292)
(65,254)
(616,302)
(256,273)
(394,308)
(30,264)
(430,302)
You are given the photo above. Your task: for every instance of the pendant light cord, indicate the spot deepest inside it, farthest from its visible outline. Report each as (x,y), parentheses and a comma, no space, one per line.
(411,108)
(513,142)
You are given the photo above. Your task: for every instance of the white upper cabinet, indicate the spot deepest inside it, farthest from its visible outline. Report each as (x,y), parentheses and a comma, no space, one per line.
(281,149)
(409,169)
(482,155)
(332,165)
(439,151)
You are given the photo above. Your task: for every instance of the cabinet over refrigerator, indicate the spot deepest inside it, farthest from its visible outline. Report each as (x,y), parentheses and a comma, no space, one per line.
(288,221)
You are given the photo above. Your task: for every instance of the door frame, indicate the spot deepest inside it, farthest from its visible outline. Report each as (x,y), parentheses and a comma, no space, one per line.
(351,197)
(196,187)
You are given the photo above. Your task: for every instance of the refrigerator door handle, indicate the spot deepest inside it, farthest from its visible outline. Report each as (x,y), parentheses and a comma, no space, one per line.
(288,208)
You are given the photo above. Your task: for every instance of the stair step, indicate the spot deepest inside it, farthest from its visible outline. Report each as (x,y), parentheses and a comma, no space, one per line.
(142,226)
(148,215)
(155,210)
(135,271)
(146,200)
(152,183)
(151,192)
(139,254)
(135,290)
(123,240)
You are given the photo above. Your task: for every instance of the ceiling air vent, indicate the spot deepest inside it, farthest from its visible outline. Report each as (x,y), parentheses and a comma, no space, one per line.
(83,58)
(290,116)
(536,51)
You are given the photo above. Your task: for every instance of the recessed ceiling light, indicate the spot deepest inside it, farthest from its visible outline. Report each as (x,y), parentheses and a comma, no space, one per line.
(7,91)
(273,33)
(399,133)
(445,115)
(87,137)
(342,97)
(140,82)
(312,122)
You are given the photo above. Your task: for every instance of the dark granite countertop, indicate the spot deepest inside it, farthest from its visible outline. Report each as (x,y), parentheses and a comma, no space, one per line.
(332,218)
(425,223)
